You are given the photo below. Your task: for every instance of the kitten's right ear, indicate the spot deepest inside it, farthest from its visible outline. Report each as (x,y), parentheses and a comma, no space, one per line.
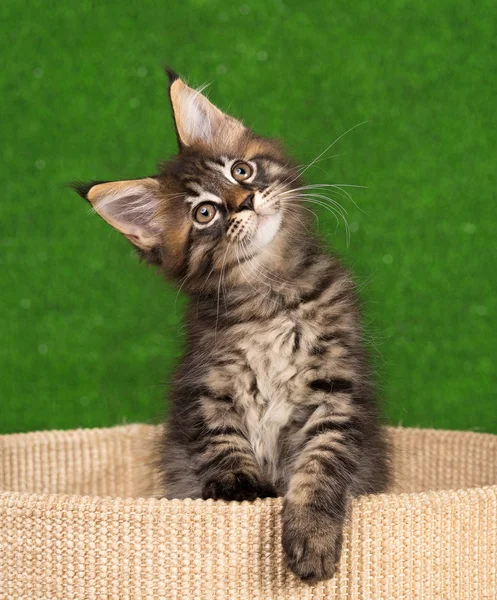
(197,120)
(130,206)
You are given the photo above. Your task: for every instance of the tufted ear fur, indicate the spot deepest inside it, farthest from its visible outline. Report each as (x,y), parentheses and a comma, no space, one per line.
(130,206)
(197,120)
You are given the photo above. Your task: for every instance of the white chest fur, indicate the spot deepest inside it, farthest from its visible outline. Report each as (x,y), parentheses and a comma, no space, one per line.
(271,358)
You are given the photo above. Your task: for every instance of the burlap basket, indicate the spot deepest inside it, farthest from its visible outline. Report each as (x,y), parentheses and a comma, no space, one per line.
(72,526)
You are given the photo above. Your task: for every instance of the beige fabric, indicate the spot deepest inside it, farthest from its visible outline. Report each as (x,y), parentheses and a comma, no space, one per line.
(66,532)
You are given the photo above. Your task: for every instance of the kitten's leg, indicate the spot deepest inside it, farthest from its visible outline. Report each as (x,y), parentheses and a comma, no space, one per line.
(222,455)
(315,504)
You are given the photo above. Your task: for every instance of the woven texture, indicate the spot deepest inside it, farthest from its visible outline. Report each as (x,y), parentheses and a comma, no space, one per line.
(66,532)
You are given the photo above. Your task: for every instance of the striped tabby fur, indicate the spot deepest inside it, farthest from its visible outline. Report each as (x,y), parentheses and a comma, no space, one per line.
(273,395)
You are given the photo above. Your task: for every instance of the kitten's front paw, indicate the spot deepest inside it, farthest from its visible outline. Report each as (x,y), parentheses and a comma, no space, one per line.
(237,485)
(312,542)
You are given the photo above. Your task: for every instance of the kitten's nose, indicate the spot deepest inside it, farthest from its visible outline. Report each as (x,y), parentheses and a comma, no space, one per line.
(248,203)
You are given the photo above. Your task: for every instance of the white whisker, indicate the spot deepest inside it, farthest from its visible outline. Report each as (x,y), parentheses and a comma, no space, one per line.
(330,209)
(326,149)
(219,289)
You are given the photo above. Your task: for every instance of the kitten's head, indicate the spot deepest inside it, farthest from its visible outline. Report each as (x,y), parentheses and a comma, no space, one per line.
(223,201)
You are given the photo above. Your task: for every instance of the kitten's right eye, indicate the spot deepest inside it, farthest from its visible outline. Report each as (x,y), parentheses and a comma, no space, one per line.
(205,212)
(241,171)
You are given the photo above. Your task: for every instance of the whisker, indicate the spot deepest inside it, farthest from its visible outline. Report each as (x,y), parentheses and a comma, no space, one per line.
(219,290)
(339,187)
(310,188)
(296,204)
(328,148)
(330,209)
(335,186)
(340,209)
(301,167)
(323,197)
(332,202)
(182,283)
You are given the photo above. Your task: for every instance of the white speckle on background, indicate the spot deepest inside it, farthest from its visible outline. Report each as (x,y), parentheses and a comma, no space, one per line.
(479,309)
(388,259)
(244,9)
(469,228)
(354,227)
(134,103)
(223,17)
(141,71)
(40,164)
(221,69)
(25,302)
(42,348)
(262,55)
(38,73)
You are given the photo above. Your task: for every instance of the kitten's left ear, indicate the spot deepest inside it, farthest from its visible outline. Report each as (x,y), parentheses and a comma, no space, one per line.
(130,206)
(197,119)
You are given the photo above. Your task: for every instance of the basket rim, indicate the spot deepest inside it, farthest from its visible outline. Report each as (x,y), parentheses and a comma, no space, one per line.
(49,437)
(428,496)
(127,426)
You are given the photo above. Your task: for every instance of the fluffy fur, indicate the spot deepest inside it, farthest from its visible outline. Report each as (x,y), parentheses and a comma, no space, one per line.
(273,395)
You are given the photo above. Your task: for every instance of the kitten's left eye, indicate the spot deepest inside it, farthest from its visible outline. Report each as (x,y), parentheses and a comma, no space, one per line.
(205,212)
(241,171)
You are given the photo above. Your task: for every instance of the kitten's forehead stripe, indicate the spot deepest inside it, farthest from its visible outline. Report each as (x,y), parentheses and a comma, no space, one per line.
(216,164)
(192,182)
(267,158)
(194,186)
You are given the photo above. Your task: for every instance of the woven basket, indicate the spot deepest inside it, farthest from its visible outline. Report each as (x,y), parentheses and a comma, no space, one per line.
(67,532)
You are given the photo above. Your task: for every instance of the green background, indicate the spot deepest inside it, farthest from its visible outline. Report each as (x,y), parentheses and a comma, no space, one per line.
(89,336)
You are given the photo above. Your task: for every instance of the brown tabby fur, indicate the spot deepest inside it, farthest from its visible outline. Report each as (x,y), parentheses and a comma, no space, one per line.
(273,395)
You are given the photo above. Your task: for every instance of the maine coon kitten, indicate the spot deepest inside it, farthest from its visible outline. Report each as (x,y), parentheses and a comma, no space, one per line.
(273,394)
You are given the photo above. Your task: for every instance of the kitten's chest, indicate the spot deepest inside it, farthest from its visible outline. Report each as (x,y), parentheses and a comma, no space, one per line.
(274,358)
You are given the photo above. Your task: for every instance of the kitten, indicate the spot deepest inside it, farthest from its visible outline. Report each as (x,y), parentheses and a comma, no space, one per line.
(273,395)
